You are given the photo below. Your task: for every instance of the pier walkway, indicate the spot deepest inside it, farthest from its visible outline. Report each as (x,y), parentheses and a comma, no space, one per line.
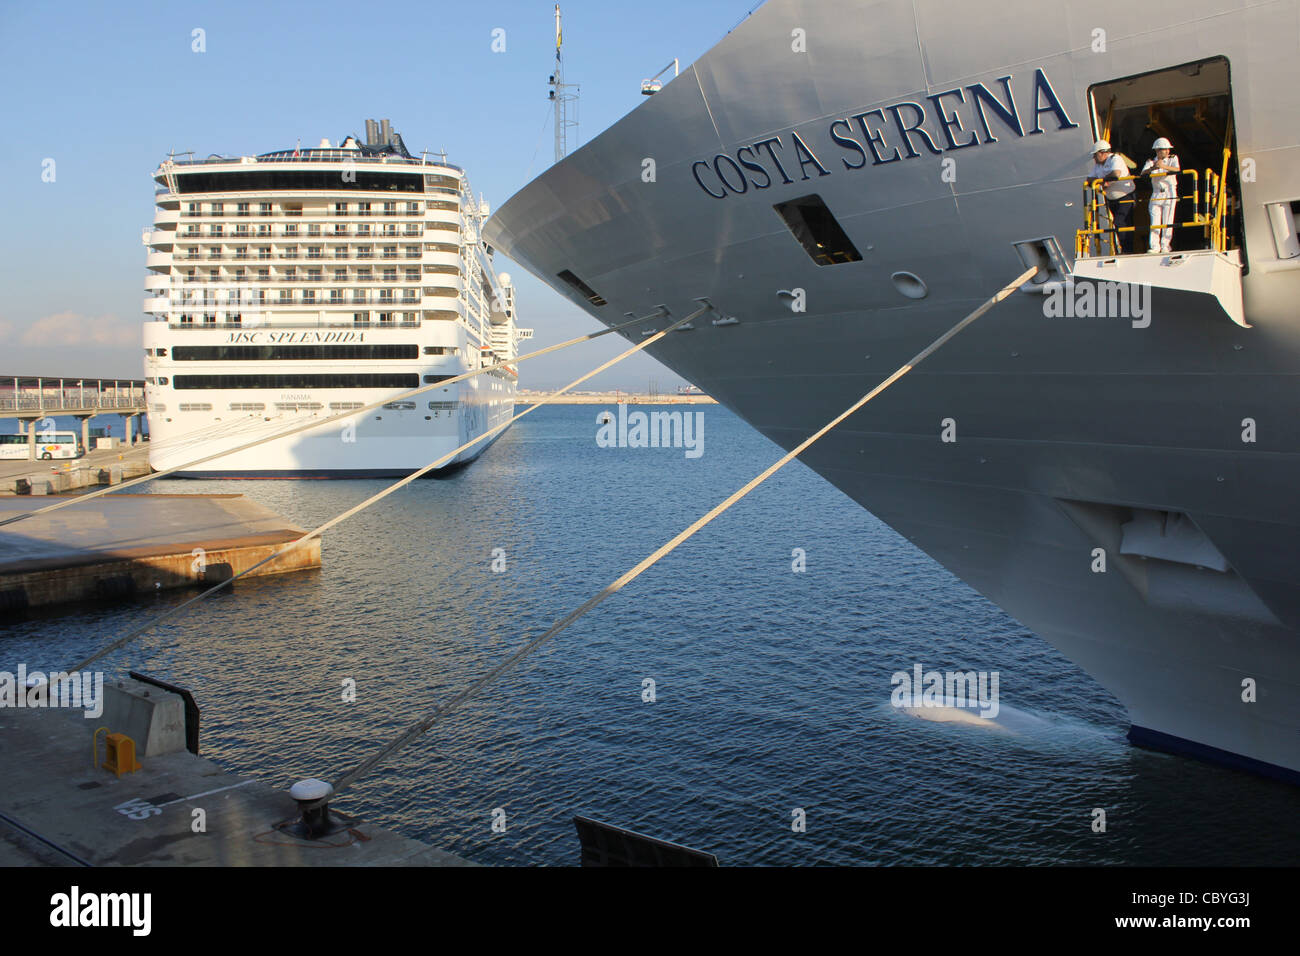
(32,399)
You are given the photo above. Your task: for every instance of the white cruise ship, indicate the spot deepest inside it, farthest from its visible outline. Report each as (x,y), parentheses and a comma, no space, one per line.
(311,281)
(843,181)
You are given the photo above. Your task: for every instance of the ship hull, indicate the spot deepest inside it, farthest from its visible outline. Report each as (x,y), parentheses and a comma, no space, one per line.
(393,440)
(1033,440)
(413,448)
(384,443)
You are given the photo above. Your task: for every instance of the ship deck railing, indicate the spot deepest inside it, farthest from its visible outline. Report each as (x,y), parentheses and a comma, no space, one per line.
(283,258)
(70,400)
(1209,212)
(307,213)
(35,393)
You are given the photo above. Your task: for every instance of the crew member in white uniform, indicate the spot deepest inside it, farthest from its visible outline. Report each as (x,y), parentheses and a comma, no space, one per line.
(1163,169)
(1118,191)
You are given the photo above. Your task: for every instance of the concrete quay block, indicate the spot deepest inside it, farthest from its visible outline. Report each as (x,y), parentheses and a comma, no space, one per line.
(152,717)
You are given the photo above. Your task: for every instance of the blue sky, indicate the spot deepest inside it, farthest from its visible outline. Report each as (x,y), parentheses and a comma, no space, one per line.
(106,90)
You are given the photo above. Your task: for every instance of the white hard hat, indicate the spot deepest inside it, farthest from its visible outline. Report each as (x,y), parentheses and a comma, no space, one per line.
(1101,146)
(1162,143)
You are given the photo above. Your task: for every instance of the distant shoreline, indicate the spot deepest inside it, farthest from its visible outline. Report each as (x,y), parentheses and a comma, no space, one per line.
(611,398)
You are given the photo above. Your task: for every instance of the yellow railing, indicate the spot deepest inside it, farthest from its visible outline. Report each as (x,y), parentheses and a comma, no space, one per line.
(1209,212)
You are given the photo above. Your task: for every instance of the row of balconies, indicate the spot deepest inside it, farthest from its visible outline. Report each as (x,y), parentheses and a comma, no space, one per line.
(234,241)
(197,283)
(296,280)
(429,252)
(236,213)
(193,291)
(435,210)
(436,215)
(197,255)
(201,282)
(164,213)
(161,260)
(409,233)
(281,243)
(317,253)
(267,312)
(220,320)
(189,294)
(160,284)
(160,305)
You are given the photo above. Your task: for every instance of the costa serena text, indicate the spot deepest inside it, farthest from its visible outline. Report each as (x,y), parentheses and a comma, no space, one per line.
(862,137)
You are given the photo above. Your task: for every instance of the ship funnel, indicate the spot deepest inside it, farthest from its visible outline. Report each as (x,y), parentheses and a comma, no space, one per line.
(372,132)
(386,132)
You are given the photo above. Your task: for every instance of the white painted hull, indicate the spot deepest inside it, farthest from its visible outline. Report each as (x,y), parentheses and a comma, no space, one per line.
(187,426)
(381,444)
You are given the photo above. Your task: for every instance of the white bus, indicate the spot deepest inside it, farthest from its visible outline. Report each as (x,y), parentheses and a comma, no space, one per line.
(48,445)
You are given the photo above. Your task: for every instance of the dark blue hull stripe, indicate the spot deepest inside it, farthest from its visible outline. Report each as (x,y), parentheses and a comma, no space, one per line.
(1156,740)
(443,472)
(340,473)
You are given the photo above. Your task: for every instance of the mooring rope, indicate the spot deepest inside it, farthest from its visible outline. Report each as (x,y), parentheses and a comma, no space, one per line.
(422,726)
(401,483)
(350,413)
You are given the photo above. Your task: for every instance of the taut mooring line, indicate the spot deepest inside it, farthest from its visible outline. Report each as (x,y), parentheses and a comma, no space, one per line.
(423,725)
(317,532)
(318,422)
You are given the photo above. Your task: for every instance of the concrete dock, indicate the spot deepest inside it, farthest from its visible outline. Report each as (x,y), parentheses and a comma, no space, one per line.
(109,466)
(118,545)
(57,808)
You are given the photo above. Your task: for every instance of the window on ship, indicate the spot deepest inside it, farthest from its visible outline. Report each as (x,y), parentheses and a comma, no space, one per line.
(818,231)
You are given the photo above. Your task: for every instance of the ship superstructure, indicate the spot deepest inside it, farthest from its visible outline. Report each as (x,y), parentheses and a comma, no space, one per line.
(310,281)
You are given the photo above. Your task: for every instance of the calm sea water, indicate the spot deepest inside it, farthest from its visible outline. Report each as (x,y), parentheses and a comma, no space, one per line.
(772,687)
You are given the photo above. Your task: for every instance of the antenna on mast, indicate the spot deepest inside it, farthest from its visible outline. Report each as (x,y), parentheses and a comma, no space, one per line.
(564,96)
